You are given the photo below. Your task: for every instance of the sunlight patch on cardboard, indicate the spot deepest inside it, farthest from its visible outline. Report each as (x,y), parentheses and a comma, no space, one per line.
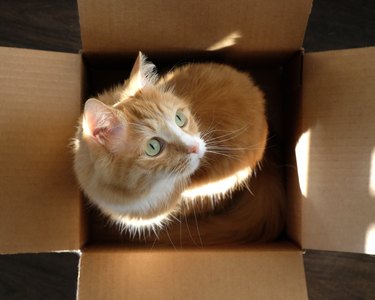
(227,41)
(302,151)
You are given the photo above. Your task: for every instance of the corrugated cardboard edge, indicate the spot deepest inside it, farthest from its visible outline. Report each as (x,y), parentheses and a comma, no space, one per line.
(292,106)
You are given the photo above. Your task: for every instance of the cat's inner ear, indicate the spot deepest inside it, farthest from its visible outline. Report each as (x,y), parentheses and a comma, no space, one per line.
(142,75)
(101,123)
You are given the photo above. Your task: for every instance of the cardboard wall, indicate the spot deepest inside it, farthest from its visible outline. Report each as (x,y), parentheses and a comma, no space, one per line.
(39,105)
(166,26)
(209,274)
(337,154)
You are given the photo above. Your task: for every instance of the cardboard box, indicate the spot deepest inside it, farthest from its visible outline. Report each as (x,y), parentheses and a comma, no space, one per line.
(324,104)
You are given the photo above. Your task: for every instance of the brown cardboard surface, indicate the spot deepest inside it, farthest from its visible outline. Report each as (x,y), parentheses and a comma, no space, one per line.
(39,104)
(208,274)
(249,26)
(338,163)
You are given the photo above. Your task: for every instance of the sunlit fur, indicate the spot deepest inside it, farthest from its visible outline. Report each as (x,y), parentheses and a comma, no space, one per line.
(226,118)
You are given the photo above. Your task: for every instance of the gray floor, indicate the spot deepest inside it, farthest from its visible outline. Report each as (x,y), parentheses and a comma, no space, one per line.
(53,25)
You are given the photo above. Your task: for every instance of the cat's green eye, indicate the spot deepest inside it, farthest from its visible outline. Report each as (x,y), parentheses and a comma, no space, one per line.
(153,147)
(180,119)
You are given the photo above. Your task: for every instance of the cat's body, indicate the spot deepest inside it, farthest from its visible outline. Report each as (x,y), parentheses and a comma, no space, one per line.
(180,145)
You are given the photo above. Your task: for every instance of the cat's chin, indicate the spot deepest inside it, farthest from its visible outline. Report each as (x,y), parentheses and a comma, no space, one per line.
(193,165)
(195,159)
(202,148)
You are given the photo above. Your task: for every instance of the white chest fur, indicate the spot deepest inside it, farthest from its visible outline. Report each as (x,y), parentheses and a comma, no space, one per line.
(158,193)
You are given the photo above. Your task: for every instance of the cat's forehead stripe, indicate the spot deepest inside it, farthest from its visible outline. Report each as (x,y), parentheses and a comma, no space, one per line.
(143,112)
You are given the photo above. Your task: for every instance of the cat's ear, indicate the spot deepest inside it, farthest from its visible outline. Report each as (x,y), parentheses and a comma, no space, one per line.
(142,75)
(103,125)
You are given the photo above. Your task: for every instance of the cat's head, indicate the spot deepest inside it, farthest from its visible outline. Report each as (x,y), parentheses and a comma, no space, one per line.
(135,156)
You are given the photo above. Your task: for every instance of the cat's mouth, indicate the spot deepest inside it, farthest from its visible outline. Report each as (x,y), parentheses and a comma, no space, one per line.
(194,158)
(193,164)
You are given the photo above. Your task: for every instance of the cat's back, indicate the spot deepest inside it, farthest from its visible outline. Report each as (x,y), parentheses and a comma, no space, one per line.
(212,86)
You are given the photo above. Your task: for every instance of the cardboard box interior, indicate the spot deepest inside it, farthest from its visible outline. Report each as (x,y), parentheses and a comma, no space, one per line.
(112,251)
(104,72)
(278,265)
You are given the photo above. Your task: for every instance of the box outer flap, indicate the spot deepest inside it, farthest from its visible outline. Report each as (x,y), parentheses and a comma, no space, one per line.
(250,26)
(40,96)
(194,274)
(336,151)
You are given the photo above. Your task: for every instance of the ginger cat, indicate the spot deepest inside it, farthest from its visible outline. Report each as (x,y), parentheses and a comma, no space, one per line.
(156,150)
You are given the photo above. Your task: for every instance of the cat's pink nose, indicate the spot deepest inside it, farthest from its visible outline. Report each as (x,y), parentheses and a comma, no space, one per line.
(193,149)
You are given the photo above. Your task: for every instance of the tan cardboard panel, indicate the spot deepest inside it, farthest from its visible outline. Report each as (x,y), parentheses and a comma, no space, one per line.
(250,26)
(208,274)
(39,104)
(336,152)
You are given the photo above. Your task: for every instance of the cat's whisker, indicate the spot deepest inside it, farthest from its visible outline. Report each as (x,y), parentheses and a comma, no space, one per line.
(169,237)
(204,135)
(153,244)
(223,154)
(227,132)
(175,218)
(223,139)
(247,187)
(196,224)
(234,132)
(220,152)
(180,234)
(220,139)
(223,130)
(210,131)
(232,149)
(156,233)
(216,146)
(188,228)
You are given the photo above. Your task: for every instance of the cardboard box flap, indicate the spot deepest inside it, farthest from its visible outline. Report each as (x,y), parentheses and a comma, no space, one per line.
(39,105)
(173,26)
(336,151)
(194,274)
